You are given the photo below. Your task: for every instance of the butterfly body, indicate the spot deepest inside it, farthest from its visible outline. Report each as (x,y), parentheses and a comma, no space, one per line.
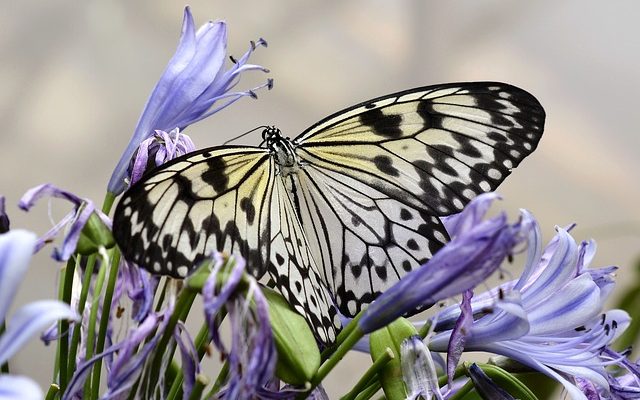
(344,210)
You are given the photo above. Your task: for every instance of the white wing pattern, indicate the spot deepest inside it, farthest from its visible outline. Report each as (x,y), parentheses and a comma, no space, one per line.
(355,210)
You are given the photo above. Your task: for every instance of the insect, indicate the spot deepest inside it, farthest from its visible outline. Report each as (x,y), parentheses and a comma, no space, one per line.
(343,211)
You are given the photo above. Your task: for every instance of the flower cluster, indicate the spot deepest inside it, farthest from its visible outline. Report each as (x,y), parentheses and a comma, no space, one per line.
(122,333)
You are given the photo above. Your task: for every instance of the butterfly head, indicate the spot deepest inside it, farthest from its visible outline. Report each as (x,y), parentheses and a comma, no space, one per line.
(271,134)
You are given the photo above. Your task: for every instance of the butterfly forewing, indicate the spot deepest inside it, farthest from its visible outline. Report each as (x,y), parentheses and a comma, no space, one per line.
(378,174)
(213,199)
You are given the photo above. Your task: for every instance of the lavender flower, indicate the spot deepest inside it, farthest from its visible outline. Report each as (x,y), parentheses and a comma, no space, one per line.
(485,386)
(16,248)
(190,89)
(550,319)
(75,219)
(252,356)
(418,370)
(476,250)
(157,150)
(139,286)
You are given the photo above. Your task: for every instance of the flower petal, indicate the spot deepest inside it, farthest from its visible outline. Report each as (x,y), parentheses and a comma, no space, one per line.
(471,216)
(460,265)
(14,387)
(560,268)
(580,302)
(29,320)
(16,248)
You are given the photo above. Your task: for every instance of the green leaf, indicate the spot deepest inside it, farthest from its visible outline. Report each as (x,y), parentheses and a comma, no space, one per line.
(391,336)
(298,353)
(94,235)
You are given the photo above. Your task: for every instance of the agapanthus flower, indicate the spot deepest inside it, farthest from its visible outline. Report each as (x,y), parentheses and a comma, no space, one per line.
(252,355)
(74,221)
(194,85)
(138,285)
(157,150)
(485,386)
(418,370)
(129,357)
(476,250)
(550,319)
(16,249)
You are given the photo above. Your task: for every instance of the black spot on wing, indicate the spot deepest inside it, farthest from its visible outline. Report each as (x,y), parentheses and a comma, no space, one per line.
(215,174)
(383,125)
(247,206)
(385,164)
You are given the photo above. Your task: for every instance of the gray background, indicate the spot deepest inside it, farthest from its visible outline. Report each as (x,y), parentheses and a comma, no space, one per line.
(74,77)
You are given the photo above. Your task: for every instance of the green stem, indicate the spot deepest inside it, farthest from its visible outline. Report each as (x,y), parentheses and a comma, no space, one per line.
(75,339)
(364,381)
(342,336)
(52,392)
(174,391)
(163,293)
(368,393)
(424,329)
(344,347)
(220,380)
(201,382)
(463,391)
(63,344)
(183,305)
(93,317)
(104,318)
(202,340)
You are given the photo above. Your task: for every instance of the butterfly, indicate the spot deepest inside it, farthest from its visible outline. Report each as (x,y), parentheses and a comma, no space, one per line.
(339,214)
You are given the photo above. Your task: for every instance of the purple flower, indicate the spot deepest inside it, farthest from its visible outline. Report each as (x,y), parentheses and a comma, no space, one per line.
(139,286)
(194,85)
(485,386)
(252,355)
(550,319)
(131,357)
(16,248)
(418,370)
(157,150)
(476,250)
(75,219)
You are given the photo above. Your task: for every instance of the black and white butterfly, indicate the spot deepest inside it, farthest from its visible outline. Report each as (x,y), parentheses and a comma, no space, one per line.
(343,211)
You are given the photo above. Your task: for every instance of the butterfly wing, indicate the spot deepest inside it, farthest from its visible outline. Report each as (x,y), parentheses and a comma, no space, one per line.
(376,176)
(224,199)
(294,270)
(212,199)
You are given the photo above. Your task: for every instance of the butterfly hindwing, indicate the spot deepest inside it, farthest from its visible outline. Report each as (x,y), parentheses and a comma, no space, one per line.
(294,270)
(381,172)
(364,239)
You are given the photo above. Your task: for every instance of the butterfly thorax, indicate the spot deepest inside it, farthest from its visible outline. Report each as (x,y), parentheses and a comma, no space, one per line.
(282,149)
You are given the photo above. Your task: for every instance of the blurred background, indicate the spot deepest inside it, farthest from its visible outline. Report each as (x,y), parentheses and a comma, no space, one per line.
(75,76)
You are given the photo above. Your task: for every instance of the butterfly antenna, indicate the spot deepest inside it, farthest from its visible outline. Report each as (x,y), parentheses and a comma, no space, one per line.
(244,134)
